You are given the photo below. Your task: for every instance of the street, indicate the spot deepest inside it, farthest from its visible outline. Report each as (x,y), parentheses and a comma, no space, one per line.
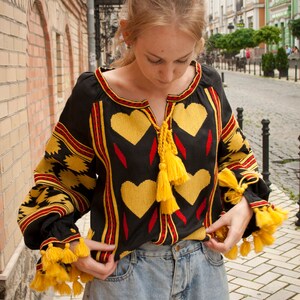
(279,101)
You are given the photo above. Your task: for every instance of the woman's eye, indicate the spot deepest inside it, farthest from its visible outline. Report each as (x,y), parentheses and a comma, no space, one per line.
(156,62)
(182,61)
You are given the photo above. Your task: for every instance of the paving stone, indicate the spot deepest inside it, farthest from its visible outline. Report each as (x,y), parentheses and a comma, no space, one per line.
(267,278)
(261,269)
(281,295)
(273,287)
(252,293)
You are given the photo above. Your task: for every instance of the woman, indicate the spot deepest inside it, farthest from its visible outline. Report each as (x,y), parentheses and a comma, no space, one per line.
(151,148)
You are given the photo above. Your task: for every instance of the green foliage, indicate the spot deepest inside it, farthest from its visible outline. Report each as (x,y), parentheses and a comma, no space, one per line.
(213,42)
(267,34)
(281,60)
(241,39)
(268,63)
(295,27)
(231,43)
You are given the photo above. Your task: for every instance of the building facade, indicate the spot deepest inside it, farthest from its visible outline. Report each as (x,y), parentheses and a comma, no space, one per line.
(43,49)
(225,16)
(279,13)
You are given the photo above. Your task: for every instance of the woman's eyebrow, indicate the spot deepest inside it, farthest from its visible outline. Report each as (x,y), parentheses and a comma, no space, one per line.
(182,57)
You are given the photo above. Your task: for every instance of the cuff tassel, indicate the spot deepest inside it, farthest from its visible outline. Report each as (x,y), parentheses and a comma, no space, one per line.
(268,219)
(57,271)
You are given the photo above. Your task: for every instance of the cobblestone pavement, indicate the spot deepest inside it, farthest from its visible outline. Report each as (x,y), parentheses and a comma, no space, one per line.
(273,274)
(277,100)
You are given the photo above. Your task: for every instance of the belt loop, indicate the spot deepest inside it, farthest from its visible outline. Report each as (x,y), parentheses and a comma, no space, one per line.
(133,257)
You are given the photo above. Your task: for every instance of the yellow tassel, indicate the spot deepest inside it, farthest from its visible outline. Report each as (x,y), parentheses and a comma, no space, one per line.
(233,253)
(258,244)
(263,217)
(57,271)
(85,277)
(176,171)
(266,238)
(276,217)
(77,288)
(270,229)
(221,233)
(227,179)
(245,247)
(39,283)
(68,255)
(169,206)
(283,213)
(234,196)
(81,249)
(164,190)
(236,189)
(74,273)
(45,262)
(63,289)
(53,254)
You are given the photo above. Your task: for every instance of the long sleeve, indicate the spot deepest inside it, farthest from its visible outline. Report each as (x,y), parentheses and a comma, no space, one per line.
(239,176)
(64,182)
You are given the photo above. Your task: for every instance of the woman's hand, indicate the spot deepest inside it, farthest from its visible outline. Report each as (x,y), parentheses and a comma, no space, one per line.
(91,266)
(236,220)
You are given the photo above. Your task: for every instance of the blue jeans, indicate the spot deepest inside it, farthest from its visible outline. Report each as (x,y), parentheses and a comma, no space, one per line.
(186,270)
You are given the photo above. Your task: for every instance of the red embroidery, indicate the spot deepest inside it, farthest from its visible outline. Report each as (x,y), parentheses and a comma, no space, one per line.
(200,209)
(125,226)
(181,216)
(153,151)
(208,142)
(180,146)
(120,155)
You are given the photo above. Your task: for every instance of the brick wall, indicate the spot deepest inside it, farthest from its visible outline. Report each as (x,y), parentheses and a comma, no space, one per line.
(43,49)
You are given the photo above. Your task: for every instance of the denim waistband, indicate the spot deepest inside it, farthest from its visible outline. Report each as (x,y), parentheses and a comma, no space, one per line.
(180,248)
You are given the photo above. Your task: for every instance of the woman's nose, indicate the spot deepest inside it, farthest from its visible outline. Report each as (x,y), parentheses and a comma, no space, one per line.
(167,74)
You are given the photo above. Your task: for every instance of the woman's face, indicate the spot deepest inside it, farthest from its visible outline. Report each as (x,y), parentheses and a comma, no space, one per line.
(163,54)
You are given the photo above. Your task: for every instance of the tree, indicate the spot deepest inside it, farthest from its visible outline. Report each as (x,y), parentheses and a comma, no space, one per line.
(241,39)
(267,34)
(295,28)
(212,42)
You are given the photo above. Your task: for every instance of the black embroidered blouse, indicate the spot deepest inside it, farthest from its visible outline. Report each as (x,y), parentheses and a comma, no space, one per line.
(103,157)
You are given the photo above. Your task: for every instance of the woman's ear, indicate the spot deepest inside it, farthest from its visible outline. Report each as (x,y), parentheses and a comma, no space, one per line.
(125,34)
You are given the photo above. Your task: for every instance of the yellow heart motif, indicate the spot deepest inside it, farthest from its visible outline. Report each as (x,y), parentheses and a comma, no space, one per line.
(191,189)
(132,127)
(191,118)
(139,198)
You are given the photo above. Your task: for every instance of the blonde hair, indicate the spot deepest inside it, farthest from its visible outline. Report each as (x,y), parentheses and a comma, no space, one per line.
(143,14)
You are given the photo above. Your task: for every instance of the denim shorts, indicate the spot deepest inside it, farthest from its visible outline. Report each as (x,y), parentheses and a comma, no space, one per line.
(187,270)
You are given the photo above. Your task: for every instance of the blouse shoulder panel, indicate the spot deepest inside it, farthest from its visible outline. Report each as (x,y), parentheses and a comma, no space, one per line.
(211,78)
(76,113)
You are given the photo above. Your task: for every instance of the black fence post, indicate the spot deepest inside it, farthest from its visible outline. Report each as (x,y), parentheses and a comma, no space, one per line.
(222,76)
(298,176)
(240,116)
(296,73)
(265,150)
(259,69)
(254,68)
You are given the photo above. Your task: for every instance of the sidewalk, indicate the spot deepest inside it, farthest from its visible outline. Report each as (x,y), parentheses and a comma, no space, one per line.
(255,70)
(273,274)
